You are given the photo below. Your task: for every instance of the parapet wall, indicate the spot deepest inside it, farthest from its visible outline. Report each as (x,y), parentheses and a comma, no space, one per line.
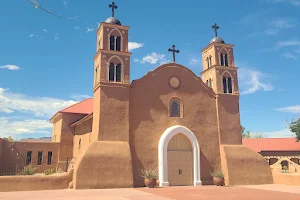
(286,178)
(35,182)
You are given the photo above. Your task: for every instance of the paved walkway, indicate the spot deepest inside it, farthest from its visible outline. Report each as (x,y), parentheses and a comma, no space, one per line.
(171,193)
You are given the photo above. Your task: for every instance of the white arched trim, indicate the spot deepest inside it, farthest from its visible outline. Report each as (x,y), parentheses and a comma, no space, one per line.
(117,31)
(122,66)
(226,71)
(163,154)
(220,51)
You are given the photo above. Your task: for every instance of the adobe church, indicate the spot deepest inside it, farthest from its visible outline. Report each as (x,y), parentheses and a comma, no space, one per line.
(182,125)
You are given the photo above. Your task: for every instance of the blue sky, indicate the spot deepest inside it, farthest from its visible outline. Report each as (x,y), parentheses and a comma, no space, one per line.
(46,63)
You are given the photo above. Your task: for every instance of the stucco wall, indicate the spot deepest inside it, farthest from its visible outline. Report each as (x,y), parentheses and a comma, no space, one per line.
(105,164)
(67,134)
(286,178)
(149,117)
(56,128)
(229,119)
(242,166)
(83,133)
(27,183)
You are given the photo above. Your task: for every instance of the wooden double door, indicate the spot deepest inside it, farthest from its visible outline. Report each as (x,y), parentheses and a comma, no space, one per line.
(180,161)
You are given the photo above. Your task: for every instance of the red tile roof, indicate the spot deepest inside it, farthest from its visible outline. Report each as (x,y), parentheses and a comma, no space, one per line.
(83,107)
(272,144)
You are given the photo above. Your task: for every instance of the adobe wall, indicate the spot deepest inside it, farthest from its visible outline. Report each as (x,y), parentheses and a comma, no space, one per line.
(35,182)
(242,166)
(83,132)
(67,134)
(229,119)
(149,117)
(14,155)
(56,128)
(286,178)
(104,164)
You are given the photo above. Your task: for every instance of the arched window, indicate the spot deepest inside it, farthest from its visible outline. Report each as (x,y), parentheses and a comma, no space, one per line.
(229,85)
(112,42)
(79,144)
(221,59)
(207,61)
(174,108)
(207,82)
(226,60)
(111,72)
(96,76)
(224,85)
(210,63)
(118,73)
(118,43)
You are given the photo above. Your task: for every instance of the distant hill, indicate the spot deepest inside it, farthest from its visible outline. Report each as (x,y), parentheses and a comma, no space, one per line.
(43,139)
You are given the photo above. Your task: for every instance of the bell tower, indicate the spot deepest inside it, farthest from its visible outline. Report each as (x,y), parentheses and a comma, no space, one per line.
(219,71)
(111,81)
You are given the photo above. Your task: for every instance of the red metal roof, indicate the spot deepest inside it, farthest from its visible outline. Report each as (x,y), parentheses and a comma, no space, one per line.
(272,144)
(83,107)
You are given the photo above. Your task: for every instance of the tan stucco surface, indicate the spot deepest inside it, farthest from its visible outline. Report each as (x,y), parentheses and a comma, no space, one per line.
(242,166)
(286,178)
(26,183)
(105,164)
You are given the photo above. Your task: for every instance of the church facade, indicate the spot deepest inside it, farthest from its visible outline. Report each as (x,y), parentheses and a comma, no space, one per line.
(171,120)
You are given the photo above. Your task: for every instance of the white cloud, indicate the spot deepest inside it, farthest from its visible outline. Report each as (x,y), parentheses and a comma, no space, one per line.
(10,67)
(287,43)
(194,61)
(76,28)
(134,45)
(39,106)
(252,80)
(293,2)
(153,59)
(89,29)
(289,55)
(56,37)
(65,4)
(45,30)
(290,109)
(80,97)
(271,31)
(283,23)
(278,134)
(10,127)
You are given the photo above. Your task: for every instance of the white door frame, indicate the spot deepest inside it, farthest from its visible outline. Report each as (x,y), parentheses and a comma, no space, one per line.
(163,154)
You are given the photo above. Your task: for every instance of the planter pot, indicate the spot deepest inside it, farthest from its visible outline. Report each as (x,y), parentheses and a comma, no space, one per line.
(150,183)
(219,181)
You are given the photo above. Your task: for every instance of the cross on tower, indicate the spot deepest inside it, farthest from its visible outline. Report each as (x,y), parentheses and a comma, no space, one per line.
(174,51)
(215,27)
(113,6)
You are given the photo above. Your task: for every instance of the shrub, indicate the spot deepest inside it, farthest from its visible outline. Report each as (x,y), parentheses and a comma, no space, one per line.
(28,170)
(49,171)
(149,174)
(217,174)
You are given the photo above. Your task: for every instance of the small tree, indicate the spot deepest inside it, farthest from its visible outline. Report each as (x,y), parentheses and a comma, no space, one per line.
(248,134)
(294,126)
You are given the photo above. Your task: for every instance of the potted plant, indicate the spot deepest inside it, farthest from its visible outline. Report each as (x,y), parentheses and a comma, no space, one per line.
(218,178)
(150,177)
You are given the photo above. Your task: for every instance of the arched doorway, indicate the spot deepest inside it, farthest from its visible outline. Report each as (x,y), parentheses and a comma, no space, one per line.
(191,145)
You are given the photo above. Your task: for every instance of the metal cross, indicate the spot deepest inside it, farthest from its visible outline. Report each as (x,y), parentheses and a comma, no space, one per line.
(113,6)
(215,27)
(174,51)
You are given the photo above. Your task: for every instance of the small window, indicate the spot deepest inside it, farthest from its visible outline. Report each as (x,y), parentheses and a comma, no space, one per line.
(221,59)
(207,83)
(224,85)
(118,44)
(229,85)
(112,42)
(40,157)
(28,157)
(79,144)
(96,76)
(207,61)
(210,62)
(118,73)
(111,72)
(49,157)
(174,108)
(210,83)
